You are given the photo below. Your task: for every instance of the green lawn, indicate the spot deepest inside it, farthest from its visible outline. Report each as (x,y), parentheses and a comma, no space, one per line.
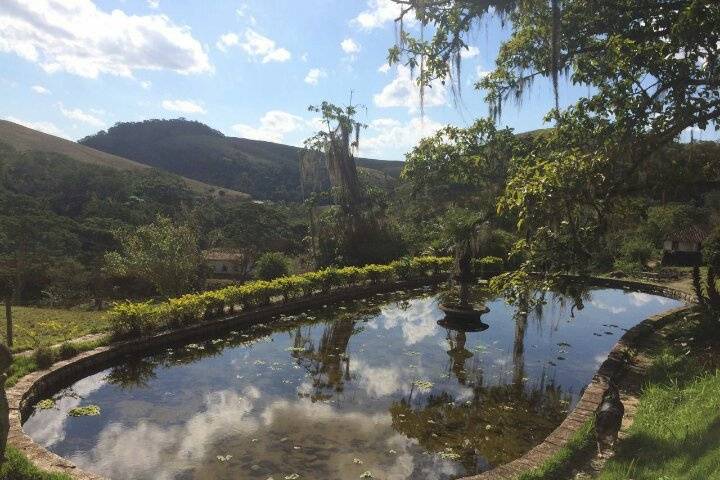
(676,432)
(49,326)
(18,467)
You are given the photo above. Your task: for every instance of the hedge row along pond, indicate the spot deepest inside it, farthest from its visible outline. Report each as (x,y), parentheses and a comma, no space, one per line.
(133,319)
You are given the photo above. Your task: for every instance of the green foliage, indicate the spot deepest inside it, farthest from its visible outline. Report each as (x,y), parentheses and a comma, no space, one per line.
(18,467)
(67,350)
(271,265)
(44,357)
(86,411)
(563,185)
(711,249)
(637,251)
(164,253)
(133,319)
(674,433)
(580,443)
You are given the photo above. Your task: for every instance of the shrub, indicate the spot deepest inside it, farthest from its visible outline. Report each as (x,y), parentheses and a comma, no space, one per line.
(488,265)
(128,319)
(44,357)
(637,250)
(67,350)
(271,265)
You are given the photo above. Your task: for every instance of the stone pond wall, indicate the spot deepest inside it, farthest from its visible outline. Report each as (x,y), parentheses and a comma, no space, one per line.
(38,385)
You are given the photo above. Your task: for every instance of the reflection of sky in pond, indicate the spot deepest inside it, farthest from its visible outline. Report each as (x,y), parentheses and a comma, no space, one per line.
(373,386)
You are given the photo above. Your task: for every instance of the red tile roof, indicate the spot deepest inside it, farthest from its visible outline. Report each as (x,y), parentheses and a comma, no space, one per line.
(693,233)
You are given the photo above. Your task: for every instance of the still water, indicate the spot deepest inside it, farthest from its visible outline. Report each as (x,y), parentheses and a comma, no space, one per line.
(367,389)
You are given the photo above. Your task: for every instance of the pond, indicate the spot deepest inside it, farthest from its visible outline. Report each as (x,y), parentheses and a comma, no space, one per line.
(375,388)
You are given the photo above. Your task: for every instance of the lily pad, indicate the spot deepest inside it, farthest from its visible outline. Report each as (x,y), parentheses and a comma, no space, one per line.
(46,404)
(87,411)
(423,385)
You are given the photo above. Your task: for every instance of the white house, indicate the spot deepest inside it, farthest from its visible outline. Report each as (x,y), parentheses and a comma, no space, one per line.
(684,247)
(224,263)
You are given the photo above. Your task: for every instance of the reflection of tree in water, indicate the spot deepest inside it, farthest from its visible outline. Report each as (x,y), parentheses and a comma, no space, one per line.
(328,364)
(518,420)
(518,417)
(133,373)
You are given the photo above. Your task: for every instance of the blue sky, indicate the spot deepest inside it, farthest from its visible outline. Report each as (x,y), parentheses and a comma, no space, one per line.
(248,68)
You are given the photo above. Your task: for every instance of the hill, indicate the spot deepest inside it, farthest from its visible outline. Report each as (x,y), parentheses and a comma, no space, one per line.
(265,170)
(25,139)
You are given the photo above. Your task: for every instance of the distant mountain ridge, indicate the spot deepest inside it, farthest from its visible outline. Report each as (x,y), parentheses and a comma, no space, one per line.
(23,139)
(265,170)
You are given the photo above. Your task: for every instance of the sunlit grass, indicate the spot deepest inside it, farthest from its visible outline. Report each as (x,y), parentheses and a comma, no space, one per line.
(676,433)
(49,326)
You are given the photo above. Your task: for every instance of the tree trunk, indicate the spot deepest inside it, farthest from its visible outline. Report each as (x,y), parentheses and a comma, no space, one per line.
(5,361)
(9,319)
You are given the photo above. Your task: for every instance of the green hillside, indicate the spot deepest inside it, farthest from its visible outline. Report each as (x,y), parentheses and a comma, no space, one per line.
(23,139)
(265,170)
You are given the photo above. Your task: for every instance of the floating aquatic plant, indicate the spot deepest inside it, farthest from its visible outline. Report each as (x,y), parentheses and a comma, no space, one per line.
(357,461)
(87,411)
(224,458)
(46,404)
(448,454)
(423,384)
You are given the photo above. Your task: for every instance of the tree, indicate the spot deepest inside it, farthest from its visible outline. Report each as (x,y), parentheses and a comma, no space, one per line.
(271,265)
(164,253)
(652,71)
(354,230)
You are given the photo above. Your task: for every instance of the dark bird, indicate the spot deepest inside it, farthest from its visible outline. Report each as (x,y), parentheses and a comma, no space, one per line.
(608,418)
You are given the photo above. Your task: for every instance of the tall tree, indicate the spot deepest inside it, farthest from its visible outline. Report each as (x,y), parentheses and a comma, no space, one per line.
(163,252)
(652,71)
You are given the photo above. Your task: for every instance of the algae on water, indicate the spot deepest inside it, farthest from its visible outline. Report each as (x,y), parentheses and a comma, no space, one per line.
(87,411)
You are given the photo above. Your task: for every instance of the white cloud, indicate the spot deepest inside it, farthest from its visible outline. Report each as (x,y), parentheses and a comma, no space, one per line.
(154,4)
(46,127)
(80,116)
(389,137)
(40,90)
(384,68)
(403,91)
(227,40)
(481,73)
(273,126)
(183,106)
(378,13)
(257,45)
(146,84)
(314,75)
(76,37)
(470,52)
(350,46)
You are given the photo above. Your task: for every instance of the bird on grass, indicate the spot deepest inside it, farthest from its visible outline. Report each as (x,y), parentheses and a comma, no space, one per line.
(608,418)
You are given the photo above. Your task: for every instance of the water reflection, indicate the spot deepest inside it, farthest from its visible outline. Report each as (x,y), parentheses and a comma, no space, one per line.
(383,385)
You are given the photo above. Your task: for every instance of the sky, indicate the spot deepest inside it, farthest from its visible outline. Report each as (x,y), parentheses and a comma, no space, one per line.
(249,68)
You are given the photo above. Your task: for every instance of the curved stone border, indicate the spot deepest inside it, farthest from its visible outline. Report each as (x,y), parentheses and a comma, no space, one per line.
(34,386)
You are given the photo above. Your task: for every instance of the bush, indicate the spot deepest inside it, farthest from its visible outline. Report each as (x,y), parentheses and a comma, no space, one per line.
(44,357)
(271,265)
(128,319)
(637,250)
(67,350)
(487,265)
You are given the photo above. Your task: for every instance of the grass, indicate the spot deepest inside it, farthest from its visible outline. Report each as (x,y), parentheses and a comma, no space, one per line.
(582,443)
(18,467)
(49,326)
(22,365)
(676,433)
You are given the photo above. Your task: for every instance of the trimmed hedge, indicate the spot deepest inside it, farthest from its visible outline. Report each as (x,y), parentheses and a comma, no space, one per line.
(134,319)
